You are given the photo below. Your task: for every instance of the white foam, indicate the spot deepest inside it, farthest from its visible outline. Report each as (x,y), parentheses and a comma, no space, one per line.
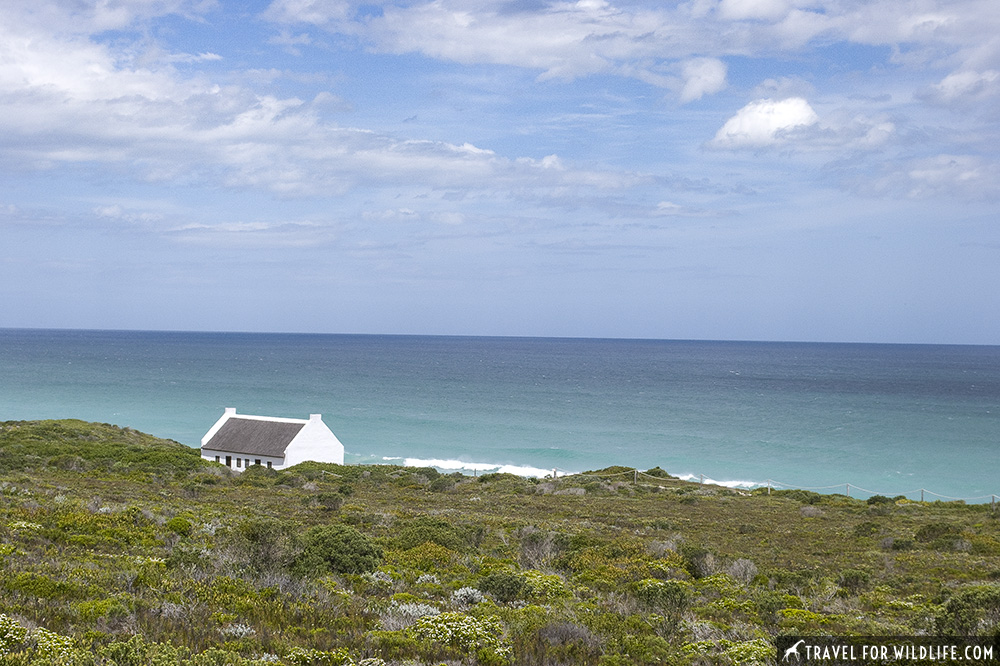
(527,470)
(461,465)
(726,484)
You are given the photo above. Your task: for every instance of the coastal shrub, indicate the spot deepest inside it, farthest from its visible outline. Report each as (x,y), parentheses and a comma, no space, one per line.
(421,529)
(980,544)
(425,557)
(312,657)
(94,609)
(337,549)
(544,586)
(330,501)
(12,633)
(49,644)
(659,473)
(259,476)
(972,611)
(854,580)
(539,547)
(866,529)
(562,642)
(505,587)
(467,596)
(180,526)
(743,570)
(479,637)
(262,545)
(667,599)
(442,484)
(402,615)
(878,499)
(804,496)
(936,531)
(698,561)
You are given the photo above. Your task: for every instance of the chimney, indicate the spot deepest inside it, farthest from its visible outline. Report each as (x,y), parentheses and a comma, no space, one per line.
(315,417)
(230,411)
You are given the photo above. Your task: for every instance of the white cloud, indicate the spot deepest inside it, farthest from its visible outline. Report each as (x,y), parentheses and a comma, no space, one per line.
(967,175)
(764,122)
(318,12)
(191,57)
(66,98)
(754,9)
(702,76)
(966,86)
(564,40)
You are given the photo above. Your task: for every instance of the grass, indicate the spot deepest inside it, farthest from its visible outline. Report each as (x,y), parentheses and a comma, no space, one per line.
(133,550)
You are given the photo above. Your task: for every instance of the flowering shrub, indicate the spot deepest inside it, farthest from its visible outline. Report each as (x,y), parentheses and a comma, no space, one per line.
(50,644)
(756,652)
(427,579)
(11,633)
(479,636)
(237,631)
(400,616)
(304,657)
(378,581)
(545,586)
(466,596)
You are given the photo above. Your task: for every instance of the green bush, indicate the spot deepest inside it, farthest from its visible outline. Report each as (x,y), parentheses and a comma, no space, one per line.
(854,580)
(804,496)
(337,549)
(867,529)
(262,545)
(972,611)
(12,633)
(505,587)
(180,526)
(875,500)
(480,637)
(935,531)
(668,599)
(330,501)
(420,530)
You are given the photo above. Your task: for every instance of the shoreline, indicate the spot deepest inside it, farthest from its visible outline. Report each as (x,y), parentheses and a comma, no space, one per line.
(847,489)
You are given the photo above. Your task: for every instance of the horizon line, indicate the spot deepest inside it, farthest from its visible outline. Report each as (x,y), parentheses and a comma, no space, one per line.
(181,331)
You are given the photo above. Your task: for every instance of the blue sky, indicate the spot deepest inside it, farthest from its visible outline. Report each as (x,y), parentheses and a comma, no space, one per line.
(713,169)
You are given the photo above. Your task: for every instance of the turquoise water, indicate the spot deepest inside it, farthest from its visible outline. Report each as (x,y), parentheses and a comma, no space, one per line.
(888,418)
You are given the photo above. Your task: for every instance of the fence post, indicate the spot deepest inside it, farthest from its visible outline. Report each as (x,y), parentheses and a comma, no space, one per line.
(848,490)
(921,494)
(702,479)
(635,476)
(769,486)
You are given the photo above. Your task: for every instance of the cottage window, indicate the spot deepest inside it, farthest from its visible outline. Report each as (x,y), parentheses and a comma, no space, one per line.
(256,461)
(229,461)
(269,464)
(239,462)
(216,458)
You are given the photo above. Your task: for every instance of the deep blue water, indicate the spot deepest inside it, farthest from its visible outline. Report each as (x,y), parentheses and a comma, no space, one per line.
(888,418)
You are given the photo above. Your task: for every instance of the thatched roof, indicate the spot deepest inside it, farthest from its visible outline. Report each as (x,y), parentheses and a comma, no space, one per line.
(254,436)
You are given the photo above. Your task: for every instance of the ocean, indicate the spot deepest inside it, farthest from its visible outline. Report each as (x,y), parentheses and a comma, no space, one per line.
(858,418)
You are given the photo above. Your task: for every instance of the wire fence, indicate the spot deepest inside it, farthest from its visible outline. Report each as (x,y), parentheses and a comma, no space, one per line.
(848,488)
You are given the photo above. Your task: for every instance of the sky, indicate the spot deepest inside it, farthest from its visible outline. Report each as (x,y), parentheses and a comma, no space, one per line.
(824,170)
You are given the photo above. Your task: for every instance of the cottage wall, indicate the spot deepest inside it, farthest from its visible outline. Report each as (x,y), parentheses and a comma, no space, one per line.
(314,442)
(244,459)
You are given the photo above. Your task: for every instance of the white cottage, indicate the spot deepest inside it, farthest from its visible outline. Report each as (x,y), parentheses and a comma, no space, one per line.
(240,440)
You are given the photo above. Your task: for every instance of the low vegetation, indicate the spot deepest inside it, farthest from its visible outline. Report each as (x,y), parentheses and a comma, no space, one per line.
(122,549)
